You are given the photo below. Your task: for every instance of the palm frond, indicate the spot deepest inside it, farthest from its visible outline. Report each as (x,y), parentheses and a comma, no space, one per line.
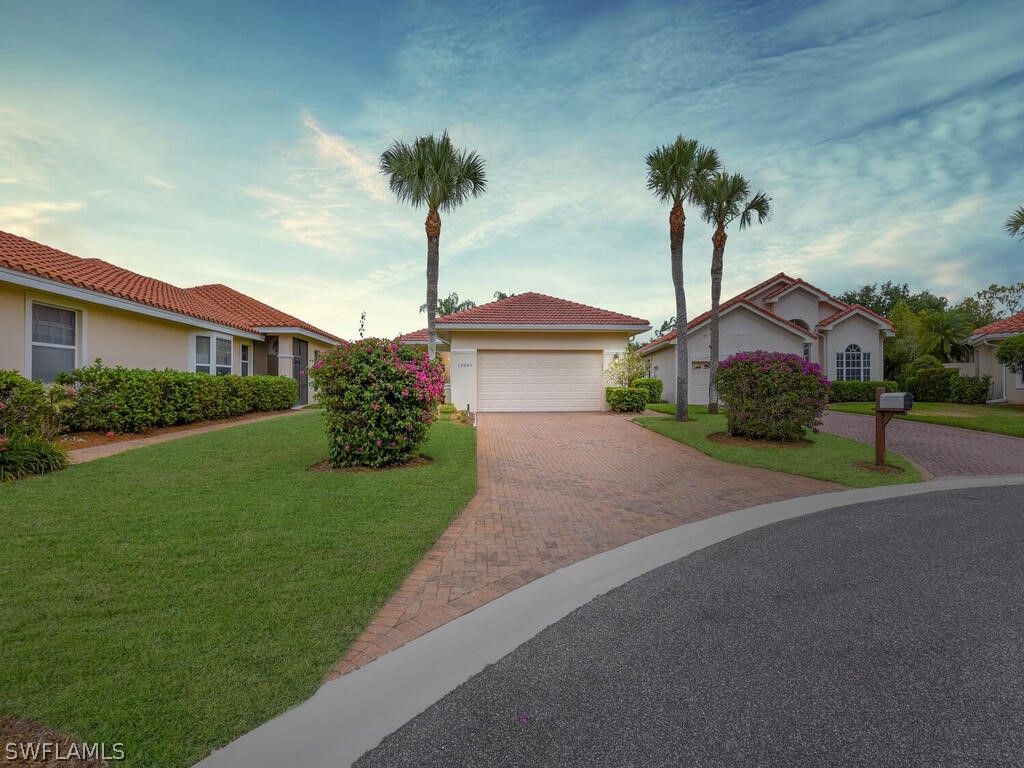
(1015,224)
(432,172)
(761,205)
(674,170)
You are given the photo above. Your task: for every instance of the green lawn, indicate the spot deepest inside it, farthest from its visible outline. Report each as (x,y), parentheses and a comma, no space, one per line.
(176,596)
(1002,419)
(830,458)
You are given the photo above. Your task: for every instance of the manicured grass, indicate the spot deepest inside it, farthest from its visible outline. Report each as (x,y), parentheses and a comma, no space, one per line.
(1001,419)
(830,458)
(670,409)
(174,597)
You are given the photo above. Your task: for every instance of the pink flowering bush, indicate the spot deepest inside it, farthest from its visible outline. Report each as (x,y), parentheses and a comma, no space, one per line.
(379,399)
(771,395)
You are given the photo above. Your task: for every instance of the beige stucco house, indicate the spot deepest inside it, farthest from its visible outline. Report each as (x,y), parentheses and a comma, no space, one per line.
(782,314)
(59,312)
(531,352)
(1007,387)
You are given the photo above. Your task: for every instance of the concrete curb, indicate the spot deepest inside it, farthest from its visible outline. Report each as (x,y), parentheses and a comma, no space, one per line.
(351,714)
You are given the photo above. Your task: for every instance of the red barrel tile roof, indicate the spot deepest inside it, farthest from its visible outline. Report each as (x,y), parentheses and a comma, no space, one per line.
(1012,324)
(538,309)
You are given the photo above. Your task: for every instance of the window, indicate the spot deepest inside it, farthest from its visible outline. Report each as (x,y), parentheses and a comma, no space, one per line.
(213,355)
(807,352)
(245,371)
(853,365)
(54,341)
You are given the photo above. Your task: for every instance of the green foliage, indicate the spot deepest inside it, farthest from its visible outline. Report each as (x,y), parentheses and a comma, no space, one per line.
(29,408)
(923,363)
(653,387)
(883,298)
(22,455)
(1014,225)
(629,367)
(932,385)
(669,324)
(1010,353)
(858,391)
(378,398)
(942,334)
(449,305)
(772,396)
(432,172)
(627,399)
(132,400)
(970,390)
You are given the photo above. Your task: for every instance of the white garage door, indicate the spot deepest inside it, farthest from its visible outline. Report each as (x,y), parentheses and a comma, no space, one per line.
(540,381)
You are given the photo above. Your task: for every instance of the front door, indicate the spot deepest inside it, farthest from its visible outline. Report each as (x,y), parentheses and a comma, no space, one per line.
(300,359)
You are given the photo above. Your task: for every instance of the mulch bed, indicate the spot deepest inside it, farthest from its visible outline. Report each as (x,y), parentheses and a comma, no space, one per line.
(746,442)
(76,440)
(29,738)
(415,461)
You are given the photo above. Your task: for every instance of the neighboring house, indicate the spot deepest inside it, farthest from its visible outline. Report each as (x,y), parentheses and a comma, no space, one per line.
(1006,387)
(59,312)
(531,352)
(782,314)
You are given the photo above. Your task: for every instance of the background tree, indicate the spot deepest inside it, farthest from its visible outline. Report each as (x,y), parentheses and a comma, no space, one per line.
(501,295)
(667,325)
(1015,224)
(942,334)
(432,172)
(674,171)
(722,200)
(883,298)
(450,304)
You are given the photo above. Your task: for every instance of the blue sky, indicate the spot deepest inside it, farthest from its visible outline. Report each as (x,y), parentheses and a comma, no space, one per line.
(206,142)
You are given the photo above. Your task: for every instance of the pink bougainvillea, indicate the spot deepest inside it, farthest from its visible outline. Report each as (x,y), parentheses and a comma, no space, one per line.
(378,398)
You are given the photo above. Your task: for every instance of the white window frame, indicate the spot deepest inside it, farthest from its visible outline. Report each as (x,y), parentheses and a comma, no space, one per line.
(80,329)
(1019,384)
(245,360)
(213,337)
(843,369)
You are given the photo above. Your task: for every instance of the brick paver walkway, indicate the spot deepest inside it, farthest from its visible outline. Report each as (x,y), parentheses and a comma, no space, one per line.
(940,451)
(553,489)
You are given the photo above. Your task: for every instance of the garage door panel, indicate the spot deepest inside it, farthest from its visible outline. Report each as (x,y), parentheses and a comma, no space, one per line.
(540,381)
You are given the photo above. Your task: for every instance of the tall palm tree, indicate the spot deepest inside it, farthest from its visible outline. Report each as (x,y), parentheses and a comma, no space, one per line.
(674,172)
(725,198)
(1015,224)
(450,304)
(943,333)
(434,173)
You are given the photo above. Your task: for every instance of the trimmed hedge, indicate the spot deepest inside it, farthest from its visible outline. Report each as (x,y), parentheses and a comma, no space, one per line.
(133,400)
(623,399)
(858,391)
(653,387)
(933,385)
(971,390)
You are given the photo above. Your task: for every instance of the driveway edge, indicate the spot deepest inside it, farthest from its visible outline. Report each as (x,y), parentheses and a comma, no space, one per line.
(351,714)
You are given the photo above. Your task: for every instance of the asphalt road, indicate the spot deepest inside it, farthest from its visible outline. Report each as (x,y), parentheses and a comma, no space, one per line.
(883,634)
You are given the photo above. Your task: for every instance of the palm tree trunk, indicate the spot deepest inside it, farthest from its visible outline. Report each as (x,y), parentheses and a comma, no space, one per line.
(717,257)
(433,227)
(677,229)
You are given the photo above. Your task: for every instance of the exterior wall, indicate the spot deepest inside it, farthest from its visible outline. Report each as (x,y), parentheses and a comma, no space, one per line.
(663,368)
(12,327)
(465,344)
(854,330)
(798,305)
(136,341)
(1004,383)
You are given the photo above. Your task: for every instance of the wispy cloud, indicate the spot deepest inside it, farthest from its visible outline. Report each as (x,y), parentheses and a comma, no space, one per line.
(27,217)
(156,181)
(8,180)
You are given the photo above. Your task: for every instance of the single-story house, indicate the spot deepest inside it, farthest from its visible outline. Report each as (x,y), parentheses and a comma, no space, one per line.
(1006,387)
(782,314)
(531,352)
(59,312)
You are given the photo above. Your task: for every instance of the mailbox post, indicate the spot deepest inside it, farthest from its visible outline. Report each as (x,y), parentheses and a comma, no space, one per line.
(887,405)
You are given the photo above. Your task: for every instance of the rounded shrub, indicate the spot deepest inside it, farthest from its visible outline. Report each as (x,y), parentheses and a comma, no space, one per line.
(653,387)
(379,398)
(623,399)
(771,395)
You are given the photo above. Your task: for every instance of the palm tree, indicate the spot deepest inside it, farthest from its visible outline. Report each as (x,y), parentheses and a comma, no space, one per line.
(450,304)
(501,295)
(674,172)
(725,198)
(1015,224)
(432,172)
(942,334)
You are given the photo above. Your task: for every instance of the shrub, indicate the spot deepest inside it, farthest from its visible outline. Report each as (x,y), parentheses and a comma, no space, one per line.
(29,408)
(134,400)
(22,455)
(932,385)
(971,390)
(1010,353)
(625,399)
(379,398)
(628,368)
(923,363)
(771,395)
(653,387)
(858,391)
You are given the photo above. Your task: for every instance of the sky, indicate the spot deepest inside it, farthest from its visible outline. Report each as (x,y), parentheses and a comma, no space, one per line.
(238,143)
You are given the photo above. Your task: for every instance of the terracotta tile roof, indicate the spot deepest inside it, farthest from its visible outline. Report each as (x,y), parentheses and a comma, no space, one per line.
(761,286)
(212,303)
(538,309)
(808,286)
(419,337)
(1012,324)
(850,309)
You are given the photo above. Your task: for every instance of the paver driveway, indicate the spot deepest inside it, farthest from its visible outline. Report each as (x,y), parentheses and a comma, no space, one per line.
(940,451)
(553,489)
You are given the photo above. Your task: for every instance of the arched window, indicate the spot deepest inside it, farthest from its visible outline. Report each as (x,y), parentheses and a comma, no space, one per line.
(853,364)
(800,323)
